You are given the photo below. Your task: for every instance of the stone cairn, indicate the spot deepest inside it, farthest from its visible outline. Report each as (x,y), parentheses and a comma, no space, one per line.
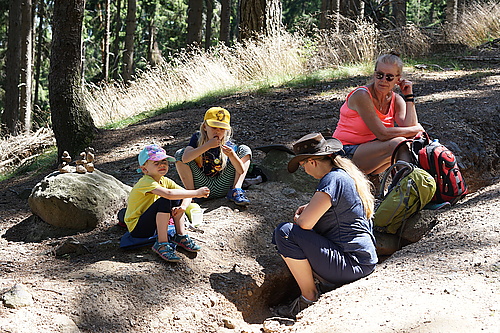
(84,164)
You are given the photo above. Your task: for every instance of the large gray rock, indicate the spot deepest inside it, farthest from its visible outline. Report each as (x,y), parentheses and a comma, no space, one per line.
(275,165)
(78,201)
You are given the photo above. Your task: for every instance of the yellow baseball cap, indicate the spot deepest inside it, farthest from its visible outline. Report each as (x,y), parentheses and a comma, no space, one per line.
(218,117)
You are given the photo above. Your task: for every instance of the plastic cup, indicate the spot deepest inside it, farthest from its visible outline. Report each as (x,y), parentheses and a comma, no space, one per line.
(196,217)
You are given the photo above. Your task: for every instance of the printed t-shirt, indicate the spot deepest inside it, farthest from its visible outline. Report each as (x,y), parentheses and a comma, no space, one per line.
(210,161)
(140,197)
(351,128)
(345,222)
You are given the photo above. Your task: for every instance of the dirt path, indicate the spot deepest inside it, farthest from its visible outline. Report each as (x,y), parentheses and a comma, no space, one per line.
(447,282)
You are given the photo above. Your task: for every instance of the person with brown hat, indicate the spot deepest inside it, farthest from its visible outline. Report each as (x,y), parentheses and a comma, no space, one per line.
(331,237)
(212,160)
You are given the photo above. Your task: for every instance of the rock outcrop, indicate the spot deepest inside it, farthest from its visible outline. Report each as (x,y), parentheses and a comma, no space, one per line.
(78,201)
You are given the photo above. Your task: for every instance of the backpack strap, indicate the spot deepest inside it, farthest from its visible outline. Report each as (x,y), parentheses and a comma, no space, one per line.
(422,139)
(405,168)
(398,147)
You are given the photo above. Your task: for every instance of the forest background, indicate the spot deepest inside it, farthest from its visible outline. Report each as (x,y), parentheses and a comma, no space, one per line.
(68,67)
(274,66)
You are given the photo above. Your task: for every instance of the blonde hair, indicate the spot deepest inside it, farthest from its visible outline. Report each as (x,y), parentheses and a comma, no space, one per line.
(392,58)
(363,185)
(204,138)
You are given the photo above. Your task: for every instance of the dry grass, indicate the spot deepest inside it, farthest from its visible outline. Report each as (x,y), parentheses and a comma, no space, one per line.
(357,45)
(195,73)
(478,25)
(258,63)
(17,151)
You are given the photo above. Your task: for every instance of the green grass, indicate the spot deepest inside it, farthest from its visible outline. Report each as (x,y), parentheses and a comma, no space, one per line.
(40,163)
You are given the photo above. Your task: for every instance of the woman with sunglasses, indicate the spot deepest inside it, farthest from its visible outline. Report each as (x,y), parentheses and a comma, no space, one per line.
(331,237)
(366,126)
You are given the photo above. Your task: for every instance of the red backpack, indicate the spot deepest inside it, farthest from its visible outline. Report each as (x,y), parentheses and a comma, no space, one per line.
(441,163)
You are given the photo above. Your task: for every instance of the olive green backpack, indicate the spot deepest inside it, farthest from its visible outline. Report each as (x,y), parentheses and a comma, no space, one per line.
(410,190)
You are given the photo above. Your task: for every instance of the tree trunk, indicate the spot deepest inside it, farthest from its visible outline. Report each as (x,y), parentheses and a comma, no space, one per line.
(330,12)
(259,17)
(352,9)
(358,8)
(154,53)
(107,33)
(208,23)
(71,122)
(25,105)
(154,57)
(195,18)
(128,54)
(399,13)
(452,12)
(273,17)
(39,45)
(225,21)
(10,115)
(116,42)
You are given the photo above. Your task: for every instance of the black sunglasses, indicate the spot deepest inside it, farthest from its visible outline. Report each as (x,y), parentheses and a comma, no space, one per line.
(388,77)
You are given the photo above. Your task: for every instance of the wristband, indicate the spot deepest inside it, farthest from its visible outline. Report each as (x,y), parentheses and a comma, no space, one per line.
(409,98)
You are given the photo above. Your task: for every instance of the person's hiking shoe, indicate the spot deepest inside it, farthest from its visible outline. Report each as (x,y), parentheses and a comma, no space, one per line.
(237,195)
(166,251)
(291,310)
(186,243)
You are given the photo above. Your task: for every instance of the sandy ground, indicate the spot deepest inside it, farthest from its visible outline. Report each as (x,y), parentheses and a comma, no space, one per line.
(447,282)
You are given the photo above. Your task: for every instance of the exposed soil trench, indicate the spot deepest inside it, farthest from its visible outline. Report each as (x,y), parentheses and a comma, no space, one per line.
(238,275)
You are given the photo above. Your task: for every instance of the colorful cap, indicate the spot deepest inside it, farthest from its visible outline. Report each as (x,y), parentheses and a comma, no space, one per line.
(153,153)
(218,117)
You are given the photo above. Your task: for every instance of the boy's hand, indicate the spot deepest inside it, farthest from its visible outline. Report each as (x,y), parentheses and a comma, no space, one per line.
(203,192)
(177,211)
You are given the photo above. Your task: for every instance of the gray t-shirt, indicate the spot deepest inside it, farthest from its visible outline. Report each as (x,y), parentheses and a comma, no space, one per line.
(345,222)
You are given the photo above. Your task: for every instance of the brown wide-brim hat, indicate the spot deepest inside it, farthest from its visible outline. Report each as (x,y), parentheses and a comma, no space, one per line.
(310,145)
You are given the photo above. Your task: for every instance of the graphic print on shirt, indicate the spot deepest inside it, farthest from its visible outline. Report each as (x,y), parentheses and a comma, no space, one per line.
(212,163)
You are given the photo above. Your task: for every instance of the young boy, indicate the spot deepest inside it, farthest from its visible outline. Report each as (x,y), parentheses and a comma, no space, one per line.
(153,200)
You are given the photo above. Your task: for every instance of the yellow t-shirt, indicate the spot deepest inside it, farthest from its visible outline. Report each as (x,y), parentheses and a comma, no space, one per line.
(141,198)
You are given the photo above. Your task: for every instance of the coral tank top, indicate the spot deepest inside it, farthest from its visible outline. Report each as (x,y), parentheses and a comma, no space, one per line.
(352,130)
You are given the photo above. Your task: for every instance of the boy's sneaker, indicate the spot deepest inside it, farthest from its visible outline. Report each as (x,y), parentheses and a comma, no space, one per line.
(237,195)
(186,243)
(166,251)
